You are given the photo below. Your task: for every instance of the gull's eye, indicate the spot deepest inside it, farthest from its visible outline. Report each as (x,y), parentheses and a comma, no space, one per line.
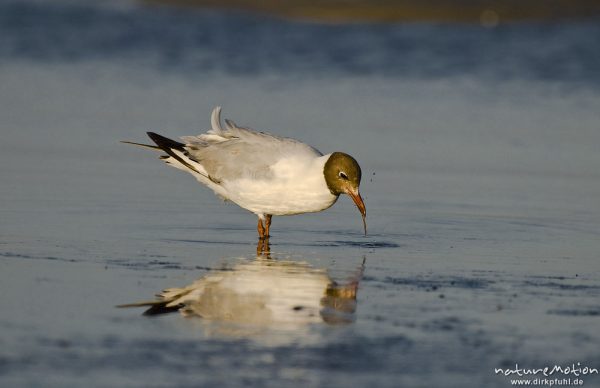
(343,175)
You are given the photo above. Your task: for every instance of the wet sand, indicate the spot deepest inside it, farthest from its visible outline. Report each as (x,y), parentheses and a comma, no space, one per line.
(488,13)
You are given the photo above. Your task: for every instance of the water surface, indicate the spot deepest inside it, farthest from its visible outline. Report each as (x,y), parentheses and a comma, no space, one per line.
(480,176)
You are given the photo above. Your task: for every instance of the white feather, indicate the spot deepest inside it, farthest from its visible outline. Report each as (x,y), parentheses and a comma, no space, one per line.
(215,120)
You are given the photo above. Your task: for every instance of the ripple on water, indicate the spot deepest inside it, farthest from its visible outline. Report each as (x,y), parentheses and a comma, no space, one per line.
(13,255)
(592,312)
(434,284)
(360,244)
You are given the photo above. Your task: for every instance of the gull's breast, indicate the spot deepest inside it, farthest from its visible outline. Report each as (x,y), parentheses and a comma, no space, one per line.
(296,186)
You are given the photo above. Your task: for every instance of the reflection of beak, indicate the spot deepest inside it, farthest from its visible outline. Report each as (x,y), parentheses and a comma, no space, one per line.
(355,195)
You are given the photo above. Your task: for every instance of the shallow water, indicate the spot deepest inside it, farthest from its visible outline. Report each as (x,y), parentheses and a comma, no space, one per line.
(480,176)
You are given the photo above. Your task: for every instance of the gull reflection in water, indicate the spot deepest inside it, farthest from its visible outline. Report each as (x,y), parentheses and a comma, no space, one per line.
(264,292)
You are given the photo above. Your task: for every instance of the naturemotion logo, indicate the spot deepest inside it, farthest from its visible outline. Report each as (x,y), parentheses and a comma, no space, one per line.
(575,370)
(565,375)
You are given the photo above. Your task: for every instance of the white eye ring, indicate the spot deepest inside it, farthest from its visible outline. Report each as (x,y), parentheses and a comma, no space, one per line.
(343,175)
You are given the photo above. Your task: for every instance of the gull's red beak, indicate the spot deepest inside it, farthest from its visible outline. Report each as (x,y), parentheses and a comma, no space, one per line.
(358,201)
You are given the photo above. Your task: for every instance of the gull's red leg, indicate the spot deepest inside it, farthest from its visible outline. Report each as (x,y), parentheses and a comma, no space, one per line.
(267,224)
(261,229)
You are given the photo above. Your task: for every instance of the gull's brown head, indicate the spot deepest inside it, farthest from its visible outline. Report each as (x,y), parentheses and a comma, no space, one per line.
(342,174)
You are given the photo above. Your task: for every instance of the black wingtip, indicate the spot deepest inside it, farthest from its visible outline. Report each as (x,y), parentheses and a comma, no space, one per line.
(154,307)
(168,146)
(141,145)
(165,142)
(160,309)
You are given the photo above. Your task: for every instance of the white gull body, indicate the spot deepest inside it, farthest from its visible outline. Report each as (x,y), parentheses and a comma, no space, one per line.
(262,295)
(263,173)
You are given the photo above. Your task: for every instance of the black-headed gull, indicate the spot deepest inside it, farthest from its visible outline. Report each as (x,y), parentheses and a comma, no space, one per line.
(263,292)
(265,174)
